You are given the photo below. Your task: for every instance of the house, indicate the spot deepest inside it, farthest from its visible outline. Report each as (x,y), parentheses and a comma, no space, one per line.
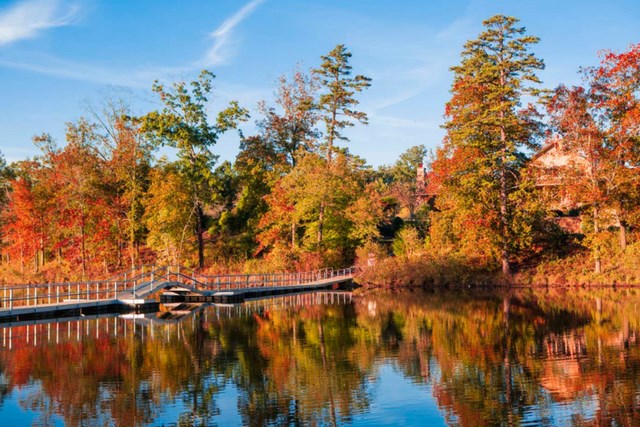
(550,166)
(425,194)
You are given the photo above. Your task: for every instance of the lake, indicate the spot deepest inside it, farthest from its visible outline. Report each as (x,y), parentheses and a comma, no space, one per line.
(465,358)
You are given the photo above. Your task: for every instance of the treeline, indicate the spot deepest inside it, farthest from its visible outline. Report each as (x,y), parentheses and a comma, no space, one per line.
(493,200)
(104,200)
(296,198)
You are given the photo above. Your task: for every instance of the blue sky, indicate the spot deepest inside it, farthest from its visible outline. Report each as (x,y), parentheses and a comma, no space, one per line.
(58,56)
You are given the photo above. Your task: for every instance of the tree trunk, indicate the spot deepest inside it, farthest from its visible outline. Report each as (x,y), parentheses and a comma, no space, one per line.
(320,223)
(622,227)
(504,225)
(41,252)
(83,248)
(331,137)
(596,250)
(200,233)
(132,245)
(293,235)
(504,221)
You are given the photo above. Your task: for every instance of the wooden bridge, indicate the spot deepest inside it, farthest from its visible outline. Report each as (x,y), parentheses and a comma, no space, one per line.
(132,290)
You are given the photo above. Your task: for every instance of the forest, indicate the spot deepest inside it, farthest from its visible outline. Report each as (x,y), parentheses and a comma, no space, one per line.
(296,198)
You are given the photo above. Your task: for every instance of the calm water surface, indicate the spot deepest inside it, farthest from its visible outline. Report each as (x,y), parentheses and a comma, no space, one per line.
(548,358)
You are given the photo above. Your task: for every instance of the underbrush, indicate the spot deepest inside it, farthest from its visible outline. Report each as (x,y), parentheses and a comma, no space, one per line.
(618,268)
(573,267)
(423,270)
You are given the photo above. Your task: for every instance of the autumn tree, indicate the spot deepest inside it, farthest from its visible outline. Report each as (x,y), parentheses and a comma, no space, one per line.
(290,129)
(286,132)
(614,89)
(583,179)
(127,156)
(337,102)
(401,177)
(337,105)
(6,175)
(242,189)
(183,124)
(597,126)
(79,177)
(169,214)
(485,120)
(352,208)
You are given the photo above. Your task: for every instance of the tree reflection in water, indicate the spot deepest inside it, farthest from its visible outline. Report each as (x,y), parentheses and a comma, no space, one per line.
(489,358)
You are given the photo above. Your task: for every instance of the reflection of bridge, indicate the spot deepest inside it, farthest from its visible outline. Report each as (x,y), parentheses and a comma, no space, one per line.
(132,288)
(156,325)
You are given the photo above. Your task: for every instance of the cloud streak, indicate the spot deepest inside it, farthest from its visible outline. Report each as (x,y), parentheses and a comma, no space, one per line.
(50,15)
(222,43)
(26,20)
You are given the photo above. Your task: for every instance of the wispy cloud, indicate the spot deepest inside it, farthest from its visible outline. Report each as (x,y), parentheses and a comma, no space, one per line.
(222,42)
(28,14)
(26,19)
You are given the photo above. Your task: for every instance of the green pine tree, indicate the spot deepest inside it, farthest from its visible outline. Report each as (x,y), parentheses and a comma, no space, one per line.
(486,118)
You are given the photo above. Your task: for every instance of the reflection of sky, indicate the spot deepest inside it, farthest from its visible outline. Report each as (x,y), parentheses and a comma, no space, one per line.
(12,412)
(226,401)
(550,412)
(396,401)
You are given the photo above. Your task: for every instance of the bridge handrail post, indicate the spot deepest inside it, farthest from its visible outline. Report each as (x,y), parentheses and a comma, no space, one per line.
(36,295)
(28,293)
(10,299)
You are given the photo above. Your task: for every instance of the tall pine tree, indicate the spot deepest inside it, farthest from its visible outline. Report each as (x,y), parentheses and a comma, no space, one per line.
(485,117)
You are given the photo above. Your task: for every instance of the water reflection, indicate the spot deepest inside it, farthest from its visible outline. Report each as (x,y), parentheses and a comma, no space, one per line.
(518,358)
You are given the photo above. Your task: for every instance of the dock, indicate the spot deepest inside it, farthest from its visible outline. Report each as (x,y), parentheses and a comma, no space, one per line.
(143,288)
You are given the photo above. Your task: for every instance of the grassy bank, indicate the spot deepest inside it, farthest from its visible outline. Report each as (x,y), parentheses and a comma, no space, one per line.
(576,268)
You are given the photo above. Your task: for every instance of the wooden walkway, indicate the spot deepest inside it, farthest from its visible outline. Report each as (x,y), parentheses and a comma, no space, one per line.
(135,289)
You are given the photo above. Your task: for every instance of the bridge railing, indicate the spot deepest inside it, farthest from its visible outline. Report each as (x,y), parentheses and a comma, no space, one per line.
(148,276)
(236,281)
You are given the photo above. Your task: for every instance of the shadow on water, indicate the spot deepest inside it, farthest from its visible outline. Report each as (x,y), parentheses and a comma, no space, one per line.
(548,357)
